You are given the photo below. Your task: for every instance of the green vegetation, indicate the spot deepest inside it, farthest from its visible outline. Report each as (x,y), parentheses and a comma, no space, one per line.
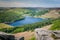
(27,27)
(38,12)
(33,38)
(13,14)
(2,25)
(56,25)
(9,15)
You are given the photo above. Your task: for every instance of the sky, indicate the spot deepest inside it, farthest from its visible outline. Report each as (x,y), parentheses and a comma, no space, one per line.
(29,3)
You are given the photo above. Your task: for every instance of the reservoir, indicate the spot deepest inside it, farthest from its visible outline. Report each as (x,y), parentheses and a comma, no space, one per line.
(26,20)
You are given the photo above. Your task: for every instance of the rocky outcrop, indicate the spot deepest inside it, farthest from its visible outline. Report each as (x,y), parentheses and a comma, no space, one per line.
(47,34)
(5,36)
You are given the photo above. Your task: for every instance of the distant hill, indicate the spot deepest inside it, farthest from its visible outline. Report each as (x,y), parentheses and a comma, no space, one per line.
(51,14)
(9,15)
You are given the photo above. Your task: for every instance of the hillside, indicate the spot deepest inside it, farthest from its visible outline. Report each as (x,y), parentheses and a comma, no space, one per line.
(51,14)
(2,25)
(28,34)
(9,15)
(56,25)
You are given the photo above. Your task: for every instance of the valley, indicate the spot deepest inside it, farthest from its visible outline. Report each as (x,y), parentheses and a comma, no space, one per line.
(23,21)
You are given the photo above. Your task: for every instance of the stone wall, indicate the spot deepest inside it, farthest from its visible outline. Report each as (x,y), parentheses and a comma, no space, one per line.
(47,34)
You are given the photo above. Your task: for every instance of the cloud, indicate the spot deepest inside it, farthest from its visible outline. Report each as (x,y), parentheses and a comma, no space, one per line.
(17,4)
(29,3)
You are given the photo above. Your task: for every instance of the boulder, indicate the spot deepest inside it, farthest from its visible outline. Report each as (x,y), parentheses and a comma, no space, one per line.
(42,34)
(5,36)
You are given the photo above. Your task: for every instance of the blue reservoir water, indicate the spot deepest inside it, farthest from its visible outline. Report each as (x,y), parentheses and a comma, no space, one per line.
(27,20)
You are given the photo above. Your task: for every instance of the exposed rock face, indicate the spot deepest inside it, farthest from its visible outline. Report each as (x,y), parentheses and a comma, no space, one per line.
(5,36)
(47,34)
(20,38)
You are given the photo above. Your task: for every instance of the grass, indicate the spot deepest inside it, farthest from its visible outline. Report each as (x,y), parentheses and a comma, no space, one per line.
(2,25)
(56,25)
(33,38)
